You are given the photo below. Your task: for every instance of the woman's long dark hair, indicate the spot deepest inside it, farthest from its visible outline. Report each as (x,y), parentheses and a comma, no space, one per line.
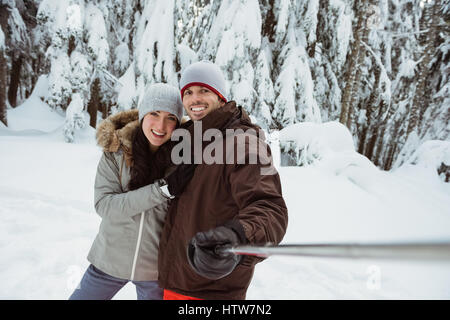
(145,168)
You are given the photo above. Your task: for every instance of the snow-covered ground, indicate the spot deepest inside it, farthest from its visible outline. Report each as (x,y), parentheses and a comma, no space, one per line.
(48,222)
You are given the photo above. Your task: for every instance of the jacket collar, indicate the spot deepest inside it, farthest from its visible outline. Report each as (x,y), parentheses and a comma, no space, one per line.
(117,131)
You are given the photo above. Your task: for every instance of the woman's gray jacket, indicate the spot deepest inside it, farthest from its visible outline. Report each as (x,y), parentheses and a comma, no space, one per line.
(127,243)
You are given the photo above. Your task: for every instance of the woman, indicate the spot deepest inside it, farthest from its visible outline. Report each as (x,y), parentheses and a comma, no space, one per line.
(129,197)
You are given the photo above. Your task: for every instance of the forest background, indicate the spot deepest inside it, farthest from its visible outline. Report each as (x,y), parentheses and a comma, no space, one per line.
(381,68)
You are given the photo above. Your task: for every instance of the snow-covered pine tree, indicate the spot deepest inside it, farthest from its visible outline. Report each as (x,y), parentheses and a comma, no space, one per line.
(417,66)
(16,21)
(192,20)
(328,55)
(118,86)
(398,43)
(80,69)
(374,94)
(294,87)
(378,95)
(354,65)
(154,41)
(120,20)
(98,53)
(428,22)
(428,115)
(75,118)
(265,93)
(436,119)
(52,16)
(78,53)
(233,42)
(294,34)
(284,60)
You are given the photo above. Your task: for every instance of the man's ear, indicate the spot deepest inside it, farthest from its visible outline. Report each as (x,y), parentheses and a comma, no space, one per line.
(222,103)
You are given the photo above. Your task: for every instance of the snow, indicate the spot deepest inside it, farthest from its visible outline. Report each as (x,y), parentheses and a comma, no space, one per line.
(48,221)
(59,79)
(432,153)
(407,68)
(2,39)
(430,156)
(334,134)
(264,86)
(294,84)
(26,117)
(282,9)
(18,34)
(324,142)
(95,24)
(235,36)
(80,72)
(127,89)
(310,20)
(343,30)
(122,54)
(53,13)
(186,55)
(154,51)
(74,20)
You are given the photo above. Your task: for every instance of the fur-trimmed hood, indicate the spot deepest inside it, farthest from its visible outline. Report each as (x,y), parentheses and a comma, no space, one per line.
(117,131)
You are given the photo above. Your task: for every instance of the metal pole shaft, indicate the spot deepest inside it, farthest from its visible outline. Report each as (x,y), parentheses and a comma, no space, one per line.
(396,251)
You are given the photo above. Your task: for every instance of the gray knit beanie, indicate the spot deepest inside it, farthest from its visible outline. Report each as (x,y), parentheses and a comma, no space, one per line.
(161,97)
(206,74)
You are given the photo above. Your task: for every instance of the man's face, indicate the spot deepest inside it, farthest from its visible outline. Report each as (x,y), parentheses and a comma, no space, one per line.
(198,101)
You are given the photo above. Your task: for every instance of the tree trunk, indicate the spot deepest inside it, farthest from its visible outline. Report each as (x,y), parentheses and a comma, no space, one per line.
(431,49)
(71,45)
(94,102)
(376,140)
(370,111)
(390,158)
(371,145)
(346,96)
(268,27)
(379,146)
(357,80)
(105,110)
(14,80)
(429,21)
(352,77)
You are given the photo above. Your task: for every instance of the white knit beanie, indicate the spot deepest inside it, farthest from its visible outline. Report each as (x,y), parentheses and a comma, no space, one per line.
(206,74)
(161,97)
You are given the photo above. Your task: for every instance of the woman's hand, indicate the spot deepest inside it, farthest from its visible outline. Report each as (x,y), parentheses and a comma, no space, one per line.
(179,178)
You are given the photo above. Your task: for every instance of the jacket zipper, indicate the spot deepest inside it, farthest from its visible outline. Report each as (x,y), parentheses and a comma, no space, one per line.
(138,244)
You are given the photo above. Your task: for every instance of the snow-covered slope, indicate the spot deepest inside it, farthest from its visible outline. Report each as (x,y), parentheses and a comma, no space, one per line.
(48,222)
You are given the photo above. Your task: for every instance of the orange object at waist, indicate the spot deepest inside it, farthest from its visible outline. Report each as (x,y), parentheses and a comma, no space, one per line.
(170,295)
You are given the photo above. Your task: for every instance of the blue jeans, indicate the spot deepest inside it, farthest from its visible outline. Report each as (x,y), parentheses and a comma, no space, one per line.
(97,285)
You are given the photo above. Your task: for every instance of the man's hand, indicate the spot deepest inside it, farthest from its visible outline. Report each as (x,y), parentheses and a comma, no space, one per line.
(205,256)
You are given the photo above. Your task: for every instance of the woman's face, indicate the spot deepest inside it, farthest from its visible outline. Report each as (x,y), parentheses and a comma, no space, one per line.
(158,127)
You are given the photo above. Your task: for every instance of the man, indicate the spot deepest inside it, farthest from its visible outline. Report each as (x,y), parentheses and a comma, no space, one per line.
(224,204)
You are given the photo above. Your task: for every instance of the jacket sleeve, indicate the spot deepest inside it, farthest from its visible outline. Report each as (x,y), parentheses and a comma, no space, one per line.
(111,200)
(257,193)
